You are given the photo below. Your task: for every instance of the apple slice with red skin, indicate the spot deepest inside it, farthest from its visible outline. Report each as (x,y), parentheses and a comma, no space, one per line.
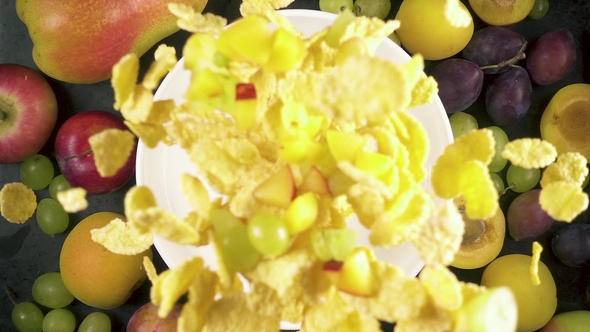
(245,107)
(314,181)
(277,190)
(28,112)
(354,275)
(75,158)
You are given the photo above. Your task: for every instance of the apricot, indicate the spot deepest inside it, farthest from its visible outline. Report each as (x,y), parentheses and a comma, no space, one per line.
(501,12)
(565,122)
(94,275)
(570,321)
(482,240)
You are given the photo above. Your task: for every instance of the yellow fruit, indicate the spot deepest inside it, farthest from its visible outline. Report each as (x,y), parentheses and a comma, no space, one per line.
(536,304)
(94,275)
(436,29)
(565,123)
(501,12)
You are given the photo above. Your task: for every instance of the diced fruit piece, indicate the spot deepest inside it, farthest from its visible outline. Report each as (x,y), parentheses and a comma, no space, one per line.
(278,189)
(247,39)
(245,106)
(338,27)
(333,244)
(344,146)
(525,218)
(489,311)
(302,213)
(355,277)
(287,52)
(571,244)
(482,240)
(314,181)
(331,270)
(536,303)
(373,163)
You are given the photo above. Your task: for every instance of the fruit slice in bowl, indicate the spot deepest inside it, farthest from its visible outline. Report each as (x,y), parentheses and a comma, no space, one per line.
(161,168)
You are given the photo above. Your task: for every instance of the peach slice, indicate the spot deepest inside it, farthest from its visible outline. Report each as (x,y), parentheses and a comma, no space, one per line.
(277,190)
(302,213)
(355,277)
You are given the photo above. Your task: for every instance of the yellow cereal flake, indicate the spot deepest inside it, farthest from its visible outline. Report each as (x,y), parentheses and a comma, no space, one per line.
(189,19)
(122,237)
(167,225)
(563,201)
(232,311)
(569,166)
(529,152)
(196,193)
(73,200)
(201,295)
(458,16)
(112,149)
(442,286)
(537,249)
(149,268)
(123,79)
(171,284)
(165,57)
(416,143)
(17,202)
(441,236)
(370,29)
(138,198)
(263,299)
(150,134)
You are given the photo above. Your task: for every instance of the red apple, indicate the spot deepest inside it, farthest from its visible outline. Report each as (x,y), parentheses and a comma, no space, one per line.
(75,158)
(28,112)
(146,319)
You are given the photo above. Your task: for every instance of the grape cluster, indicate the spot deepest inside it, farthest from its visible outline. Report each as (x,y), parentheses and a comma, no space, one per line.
(49,311)
(38,172)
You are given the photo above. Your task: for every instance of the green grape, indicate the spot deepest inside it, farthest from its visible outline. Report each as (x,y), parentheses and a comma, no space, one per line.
(335,6)
(498,182)
(462,123)
(521,179)
(238,253)
(223,221)
(51,217)
(585,182)
(59,320)
(49,291)
(498,162)
(540,8)
(36,172)
(27,317)
(333,243)
(372,8)
(95,322)
(268,234)
(57,184)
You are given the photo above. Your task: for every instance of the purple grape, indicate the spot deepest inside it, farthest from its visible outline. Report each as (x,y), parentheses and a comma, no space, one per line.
(459,83)
(495,46)
(551,57)
(508,97)
(571,244)
(525,218)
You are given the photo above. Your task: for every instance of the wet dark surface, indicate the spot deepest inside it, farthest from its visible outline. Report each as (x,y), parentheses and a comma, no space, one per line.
(26,252)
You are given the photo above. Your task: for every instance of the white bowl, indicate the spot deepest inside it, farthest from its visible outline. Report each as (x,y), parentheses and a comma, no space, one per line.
(161,168)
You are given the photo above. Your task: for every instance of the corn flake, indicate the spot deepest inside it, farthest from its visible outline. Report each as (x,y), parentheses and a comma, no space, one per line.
(189,19)
(149,268)
(73,200)
(443,287)
(529,152)
(534,269)
(167,225)
(150,134)
(231,313)
(123,79)
(165,57)
(563,201)
(569,166)
(112,149)
(17,202)
(122,237)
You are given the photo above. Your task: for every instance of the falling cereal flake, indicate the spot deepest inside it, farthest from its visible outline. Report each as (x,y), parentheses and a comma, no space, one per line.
(17,202)
(123,238)
(537,249)
(457,15)
(529,152)
(563,201)
(112,149)
(73,200)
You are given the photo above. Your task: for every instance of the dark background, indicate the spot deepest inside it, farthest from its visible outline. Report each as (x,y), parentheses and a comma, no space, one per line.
(26,252)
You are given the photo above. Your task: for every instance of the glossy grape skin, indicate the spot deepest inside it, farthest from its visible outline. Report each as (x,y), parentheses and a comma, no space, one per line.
(571,244)
(268,234)
(59,320)
(525,218)
(551,57)
(498,182)
(508,97)
(540,9)
(494,45)
(335,6)
(49,291)
(51,217)
(95,322)
(372,8)
(27,317)
(36,172)
(500,138)
(462,123)
(521,179)
(459,83)
(238,253)
(57,184)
